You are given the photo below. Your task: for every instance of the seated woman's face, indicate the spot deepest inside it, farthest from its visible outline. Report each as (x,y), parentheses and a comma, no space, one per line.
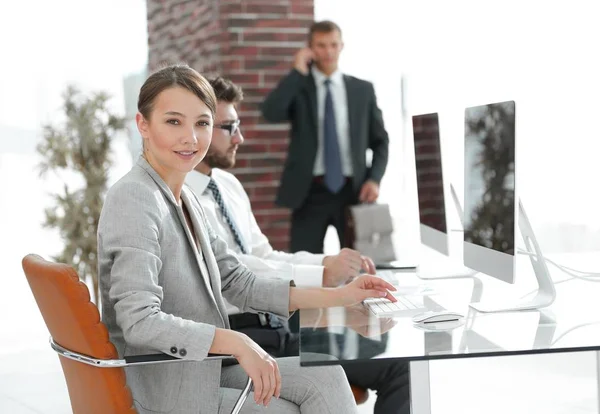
(178,132)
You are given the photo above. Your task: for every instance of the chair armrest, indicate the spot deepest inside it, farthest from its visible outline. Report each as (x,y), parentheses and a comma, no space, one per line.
(128,360)
(156,358)
(145,360)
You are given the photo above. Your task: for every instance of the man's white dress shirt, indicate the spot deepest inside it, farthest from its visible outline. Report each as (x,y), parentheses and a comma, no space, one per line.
(340,107)
(304,268)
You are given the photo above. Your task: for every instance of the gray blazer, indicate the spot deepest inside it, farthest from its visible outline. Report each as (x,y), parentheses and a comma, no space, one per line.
(156,298)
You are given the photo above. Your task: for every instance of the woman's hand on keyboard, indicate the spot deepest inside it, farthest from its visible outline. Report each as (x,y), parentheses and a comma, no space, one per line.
(365,287)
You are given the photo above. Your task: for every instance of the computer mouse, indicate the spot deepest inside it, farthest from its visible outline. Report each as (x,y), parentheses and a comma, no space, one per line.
(437,317)
(440,326)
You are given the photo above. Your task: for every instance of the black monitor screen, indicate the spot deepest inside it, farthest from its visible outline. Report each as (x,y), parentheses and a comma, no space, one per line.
(489,218)
(428,162)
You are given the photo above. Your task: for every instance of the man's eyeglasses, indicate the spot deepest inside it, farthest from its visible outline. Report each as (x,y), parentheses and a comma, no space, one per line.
(231,128)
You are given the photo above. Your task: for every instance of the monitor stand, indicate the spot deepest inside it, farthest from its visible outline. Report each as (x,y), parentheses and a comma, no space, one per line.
(454,269)
(546,292)
(459,209)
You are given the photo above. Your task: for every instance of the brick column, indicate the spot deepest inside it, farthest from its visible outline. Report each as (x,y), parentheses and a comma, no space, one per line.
(252,42)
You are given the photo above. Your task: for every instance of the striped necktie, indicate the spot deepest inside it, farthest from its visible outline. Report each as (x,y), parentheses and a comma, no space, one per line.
(273,320)
(212,186)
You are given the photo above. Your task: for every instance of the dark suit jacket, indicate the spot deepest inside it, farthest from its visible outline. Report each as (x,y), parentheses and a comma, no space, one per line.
(295,100)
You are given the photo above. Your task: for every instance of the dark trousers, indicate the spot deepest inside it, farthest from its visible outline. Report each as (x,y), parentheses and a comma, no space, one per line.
(321,209)
(275,338)
(388,378)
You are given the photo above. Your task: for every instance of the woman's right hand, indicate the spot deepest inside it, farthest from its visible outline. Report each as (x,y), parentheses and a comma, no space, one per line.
(365,287)
(261,368)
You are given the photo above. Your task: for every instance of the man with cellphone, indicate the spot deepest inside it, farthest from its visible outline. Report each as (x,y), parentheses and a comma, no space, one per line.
(335,120)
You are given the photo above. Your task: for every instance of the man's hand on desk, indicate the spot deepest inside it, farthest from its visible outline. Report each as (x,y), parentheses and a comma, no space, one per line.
(368,265)
(345,266)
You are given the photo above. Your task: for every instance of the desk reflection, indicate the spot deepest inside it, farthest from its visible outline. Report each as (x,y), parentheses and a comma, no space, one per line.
(345,333)
(354,334)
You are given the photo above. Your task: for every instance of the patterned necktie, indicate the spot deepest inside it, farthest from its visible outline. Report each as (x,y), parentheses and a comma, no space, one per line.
(334,178)
(273,321)
(212,186)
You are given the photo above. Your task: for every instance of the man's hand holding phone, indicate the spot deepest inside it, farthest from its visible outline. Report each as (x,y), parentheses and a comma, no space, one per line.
(303,60)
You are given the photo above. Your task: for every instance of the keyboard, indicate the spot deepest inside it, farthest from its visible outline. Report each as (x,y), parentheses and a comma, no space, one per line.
(404,307)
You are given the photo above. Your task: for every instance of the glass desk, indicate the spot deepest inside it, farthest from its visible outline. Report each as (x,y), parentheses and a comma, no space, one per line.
(353,334)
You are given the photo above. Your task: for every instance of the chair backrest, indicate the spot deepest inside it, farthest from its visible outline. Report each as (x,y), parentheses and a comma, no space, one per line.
(74,323)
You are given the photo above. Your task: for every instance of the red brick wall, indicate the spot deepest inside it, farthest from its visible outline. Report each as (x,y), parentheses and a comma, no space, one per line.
(252,42)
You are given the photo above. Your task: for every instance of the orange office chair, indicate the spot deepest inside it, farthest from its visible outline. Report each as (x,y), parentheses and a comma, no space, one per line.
(93,371)
(360,394)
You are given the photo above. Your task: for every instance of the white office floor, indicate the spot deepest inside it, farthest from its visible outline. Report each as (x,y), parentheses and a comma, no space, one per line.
(31,382)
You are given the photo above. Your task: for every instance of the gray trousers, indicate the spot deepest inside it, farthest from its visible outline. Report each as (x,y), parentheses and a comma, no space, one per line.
(318,390)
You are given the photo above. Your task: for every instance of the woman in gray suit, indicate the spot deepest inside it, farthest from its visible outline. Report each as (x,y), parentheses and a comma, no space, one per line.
(164,272)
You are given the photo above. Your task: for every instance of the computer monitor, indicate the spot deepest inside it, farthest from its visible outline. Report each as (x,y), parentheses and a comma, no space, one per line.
(430,182)
(490,209)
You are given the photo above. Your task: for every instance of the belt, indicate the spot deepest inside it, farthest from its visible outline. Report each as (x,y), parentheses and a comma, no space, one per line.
(246,320)
(320,179)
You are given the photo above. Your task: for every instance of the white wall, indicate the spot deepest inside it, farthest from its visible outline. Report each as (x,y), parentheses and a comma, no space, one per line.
(458,54)
(47,45)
